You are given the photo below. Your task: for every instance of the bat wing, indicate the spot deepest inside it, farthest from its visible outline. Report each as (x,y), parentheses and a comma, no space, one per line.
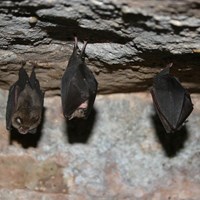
(172,102)
(187,108)
(74,91)
(13,95)
(13,92)
(168,97)
(91,81)
(92,87)
(164,121)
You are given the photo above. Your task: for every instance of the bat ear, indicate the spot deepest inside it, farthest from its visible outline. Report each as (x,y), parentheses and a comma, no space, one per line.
(33,80)
(23,76)
(166,70)
(33,76)
(83,48)
(169,65)
(23,63)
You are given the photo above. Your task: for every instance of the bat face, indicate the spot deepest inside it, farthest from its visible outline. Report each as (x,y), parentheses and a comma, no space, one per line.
(78,86)
(171,100)
(30,123)
(25,104)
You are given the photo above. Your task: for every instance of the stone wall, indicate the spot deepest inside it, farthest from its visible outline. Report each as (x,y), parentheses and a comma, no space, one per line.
(128,40)
(122,152)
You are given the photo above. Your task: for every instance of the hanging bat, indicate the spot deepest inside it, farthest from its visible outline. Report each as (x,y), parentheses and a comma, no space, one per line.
(25,103)
(171,100)
(78,86)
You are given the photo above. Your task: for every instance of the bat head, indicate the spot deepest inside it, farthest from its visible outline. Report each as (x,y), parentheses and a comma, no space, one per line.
(25,121)
(80,112)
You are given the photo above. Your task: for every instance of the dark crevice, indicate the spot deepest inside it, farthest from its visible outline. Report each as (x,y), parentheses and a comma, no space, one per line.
(63,28)
(156,56)
(22,11)
(141,23)
(21,41)
(185,68)
(135,17)
(178,29)
(195,5)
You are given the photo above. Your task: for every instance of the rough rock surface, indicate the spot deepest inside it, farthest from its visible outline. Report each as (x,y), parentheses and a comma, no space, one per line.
(129,41)
(122,153)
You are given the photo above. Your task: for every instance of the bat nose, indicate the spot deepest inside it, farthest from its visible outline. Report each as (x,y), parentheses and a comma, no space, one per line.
(23,130)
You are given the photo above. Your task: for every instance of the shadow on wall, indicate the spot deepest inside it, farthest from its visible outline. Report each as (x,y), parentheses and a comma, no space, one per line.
(172,143)
(80,130)
(27,140)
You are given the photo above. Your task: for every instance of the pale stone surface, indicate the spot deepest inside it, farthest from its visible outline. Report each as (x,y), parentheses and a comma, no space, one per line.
(128,40)
(125,156)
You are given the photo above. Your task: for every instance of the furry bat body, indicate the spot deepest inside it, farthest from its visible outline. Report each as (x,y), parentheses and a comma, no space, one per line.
(78,86)
(171,100)
(25,103)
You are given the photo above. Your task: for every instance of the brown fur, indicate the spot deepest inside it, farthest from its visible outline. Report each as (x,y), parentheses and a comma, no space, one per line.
(27,115)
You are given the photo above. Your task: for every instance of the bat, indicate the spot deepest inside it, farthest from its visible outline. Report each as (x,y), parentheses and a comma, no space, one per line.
(25,103)
(171,100)
(78,86)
